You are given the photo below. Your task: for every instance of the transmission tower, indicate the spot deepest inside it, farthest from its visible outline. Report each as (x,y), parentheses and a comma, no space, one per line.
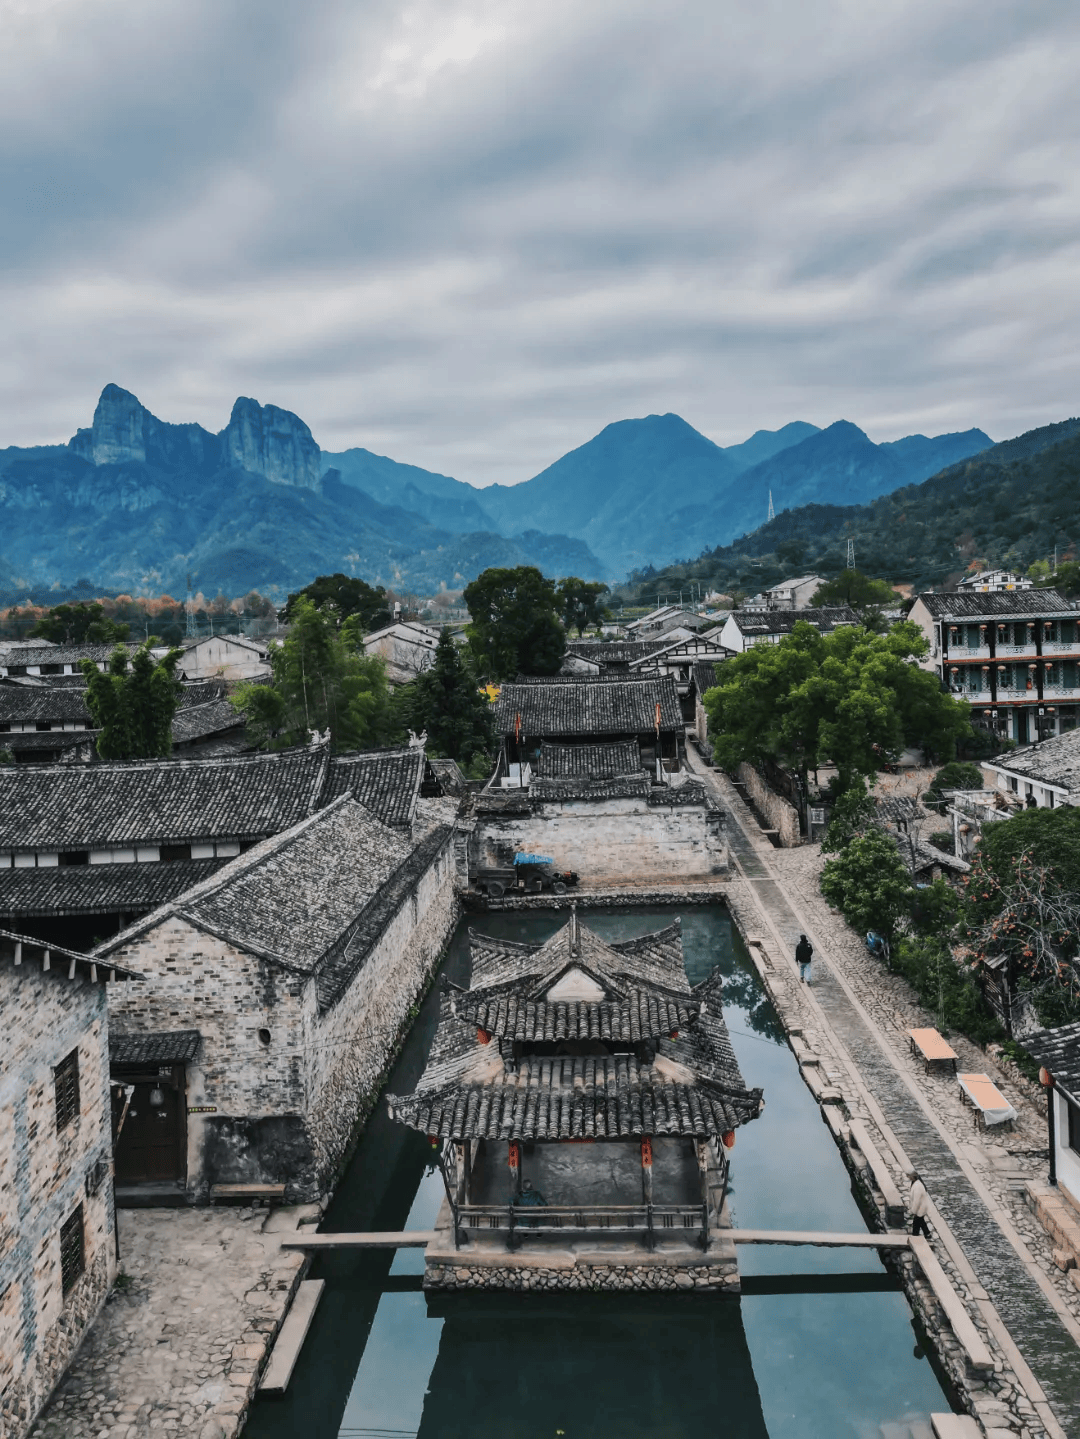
(772,512)
(190,607)
(851,554)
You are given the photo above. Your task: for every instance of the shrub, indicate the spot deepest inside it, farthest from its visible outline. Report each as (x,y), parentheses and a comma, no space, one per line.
(927,964)
(869,883)
(956,775)
(942,839)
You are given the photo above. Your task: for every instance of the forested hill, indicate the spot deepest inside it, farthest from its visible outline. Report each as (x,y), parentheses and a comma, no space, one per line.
(1009,505)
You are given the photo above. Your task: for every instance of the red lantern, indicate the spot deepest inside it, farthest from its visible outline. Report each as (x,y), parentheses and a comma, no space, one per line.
(513,1155)
(646,1151)
(1046,1079)
(482,1036)
(727,1139)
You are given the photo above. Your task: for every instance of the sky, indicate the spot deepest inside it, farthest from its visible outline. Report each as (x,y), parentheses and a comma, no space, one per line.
(470,233)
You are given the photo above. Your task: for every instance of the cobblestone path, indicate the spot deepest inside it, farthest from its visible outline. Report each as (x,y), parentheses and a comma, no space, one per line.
(1006,1274)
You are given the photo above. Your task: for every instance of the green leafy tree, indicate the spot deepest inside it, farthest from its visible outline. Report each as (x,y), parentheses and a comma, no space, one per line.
(445,700)
(852,814)
(852,587)
(349,596)
(133,703)
(952,776)
(869,883)
(851,697)
(515,626)
(6,757)
(579,603)
(76,624)
(322,680)
(1066,578)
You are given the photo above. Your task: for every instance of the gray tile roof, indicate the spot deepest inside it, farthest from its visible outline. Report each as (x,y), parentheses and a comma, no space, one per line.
(196,721)
(566,706)
(625,786)
(995,604)
(313,900)
(474,1088)
(589,761)
(158,801)
(60,654)
(704,673)
(1059,1051)
(615,651)
(782,622)
(20,704)
(176,1047)
(1051,762)
(386,781)
(48,740)
(31,952)
(99,888)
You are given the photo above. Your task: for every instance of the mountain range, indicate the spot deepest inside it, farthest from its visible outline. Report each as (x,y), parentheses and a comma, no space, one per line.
(135,503)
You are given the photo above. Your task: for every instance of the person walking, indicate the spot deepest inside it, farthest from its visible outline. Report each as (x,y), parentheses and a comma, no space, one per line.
(804,953)
(918,1205)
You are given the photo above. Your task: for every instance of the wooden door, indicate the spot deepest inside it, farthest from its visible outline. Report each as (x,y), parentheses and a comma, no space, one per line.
(150,1147)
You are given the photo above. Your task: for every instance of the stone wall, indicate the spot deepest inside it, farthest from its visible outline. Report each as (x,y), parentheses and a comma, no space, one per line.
(778,812)
(350,1045)
(284,1108)
(713,1277)
(609,840)
(44,1177)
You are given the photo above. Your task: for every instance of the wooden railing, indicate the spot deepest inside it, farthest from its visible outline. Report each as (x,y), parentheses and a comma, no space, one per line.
(642,1220)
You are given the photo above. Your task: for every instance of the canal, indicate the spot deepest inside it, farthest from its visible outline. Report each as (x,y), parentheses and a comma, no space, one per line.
(821,1345)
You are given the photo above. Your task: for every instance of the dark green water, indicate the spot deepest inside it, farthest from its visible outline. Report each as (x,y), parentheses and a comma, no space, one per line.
(820,1346)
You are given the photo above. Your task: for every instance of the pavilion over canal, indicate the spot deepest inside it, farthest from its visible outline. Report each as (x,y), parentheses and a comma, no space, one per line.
(582,1099)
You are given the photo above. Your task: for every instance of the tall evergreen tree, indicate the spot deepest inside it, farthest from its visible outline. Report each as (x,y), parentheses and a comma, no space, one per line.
(446,701)
(515,628)
(133,703)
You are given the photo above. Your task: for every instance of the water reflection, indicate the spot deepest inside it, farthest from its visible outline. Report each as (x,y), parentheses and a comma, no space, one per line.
(820,1346)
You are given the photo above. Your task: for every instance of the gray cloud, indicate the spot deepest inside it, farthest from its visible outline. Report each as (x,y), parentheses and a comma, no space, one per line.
(469,233)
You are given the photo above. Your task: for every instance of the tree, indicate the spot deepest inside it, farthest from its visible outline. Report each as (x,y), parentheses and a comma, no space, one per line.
(956,775)
(446,701)
(579,603)
(322,681)
(869,883)
(515,628)
(133,703)
(1066,578)
(76,624)
(851,697)
(852,587)
(349,596)
(852,815)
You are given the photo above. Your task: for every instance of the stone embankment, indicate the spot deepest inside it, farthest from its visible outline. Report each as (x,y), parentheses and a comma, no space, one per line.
(706,1279)
(849,1031)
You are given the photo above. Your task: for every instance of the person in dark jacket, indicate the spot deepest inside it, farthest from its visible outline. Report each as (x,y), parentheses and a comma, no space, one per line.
(804,953)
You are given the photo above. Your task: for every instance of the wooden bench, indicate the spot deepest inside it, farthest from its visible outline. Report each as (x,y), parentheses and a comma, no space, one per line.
(250,1193)
(986,1099)
(932,1047)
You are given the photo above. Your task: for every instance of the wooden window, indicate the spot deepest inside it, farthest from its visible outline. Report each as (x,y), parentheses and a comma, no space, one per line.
(66,1083)
(72,1250)
(170,853)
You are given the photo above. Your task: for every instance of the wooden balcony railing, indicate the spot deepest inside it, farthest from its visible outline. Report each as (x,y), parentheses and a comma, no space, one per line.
(645,1221)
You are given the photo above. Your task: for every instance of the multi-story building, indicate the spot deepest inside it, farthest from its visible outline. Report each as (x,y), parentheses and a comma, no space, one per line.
(1013,655)
(57,1249)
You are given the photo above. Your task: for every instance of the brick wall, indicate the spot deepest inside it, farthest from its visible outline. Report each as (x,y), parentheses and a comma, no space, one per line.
(43,1178)
(610,840)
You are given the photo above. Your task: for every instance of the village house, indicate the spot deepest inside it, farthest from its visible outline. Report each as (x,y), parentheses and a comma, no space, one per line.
(680,659)
(1043,775)
(581,1088)
(57,1250)
(988,580)
(1058,1052)
(796,594)
(592,658)
(664,619)
(86,849)
(591,773)
(274,993)
(407,647)
(704,680)
(1014,656)
(224,657)
(49,659)
(745,628)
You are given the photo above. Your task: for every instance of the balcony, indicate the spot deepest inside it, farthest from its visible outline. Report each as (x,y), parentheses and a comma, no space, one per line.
(1024,649)
(1061,647)
(973,697)
(1061,692)
(967,652)
(1007,693)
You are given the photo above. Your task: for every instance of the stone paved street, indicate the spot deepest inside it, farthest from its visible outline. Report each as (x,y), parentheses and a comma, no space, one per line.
(974,1179)
(177,1351)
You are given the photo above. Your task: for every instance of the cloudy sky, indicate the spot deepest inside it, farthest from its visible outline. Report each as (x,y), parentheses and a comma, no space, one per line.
(470,233)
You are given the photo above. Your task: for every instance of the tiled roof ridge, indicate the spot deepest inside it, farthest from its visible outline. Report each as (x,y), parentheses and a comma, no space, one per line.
(236,869)
(76,955)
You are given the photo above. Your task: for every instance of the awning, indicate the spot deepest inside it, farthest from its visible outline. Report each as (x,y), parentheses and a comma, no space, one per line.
(178,1047)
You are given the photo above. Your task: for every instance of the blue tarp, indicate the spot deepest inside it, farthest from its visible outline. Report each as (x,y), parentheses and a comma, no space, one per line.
(533,859)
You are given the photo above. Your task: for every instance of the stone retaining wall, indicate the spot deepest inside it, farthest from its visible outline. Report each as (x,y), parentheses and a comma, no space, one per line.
(779,812)
(714,1277)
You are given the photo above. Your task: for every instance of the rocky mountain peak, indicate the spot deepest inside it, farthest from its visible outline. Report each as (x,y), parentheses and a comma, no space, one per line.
(119,431)
(273,443)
